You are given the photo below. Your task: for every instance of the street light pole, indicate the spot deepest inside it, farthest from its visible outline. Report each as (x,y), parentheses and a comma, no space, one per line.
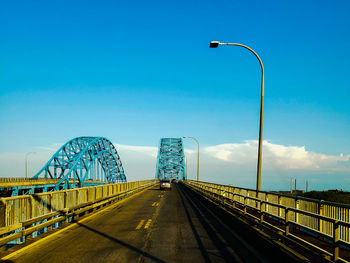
(26,162)
(215,44)
(197,153)
(186,166)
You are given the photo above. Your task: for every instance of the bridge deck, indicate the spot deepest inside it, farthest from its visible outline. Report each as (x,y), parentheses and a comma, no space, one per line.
(154,226)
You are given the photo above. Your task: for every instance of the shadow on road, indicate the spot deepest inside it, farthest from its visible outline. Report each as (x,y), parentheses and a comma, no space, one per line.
(120,242)
(195,233)
(209,228)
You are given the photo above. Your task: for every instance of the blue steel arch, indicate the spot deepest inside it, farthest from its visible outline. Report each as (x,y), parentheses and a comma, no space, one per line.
(171,159)
(84,161)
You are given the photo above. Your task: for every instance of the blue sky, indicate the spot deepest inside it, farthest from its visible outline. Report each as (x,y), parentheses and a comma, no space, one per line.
(136,71)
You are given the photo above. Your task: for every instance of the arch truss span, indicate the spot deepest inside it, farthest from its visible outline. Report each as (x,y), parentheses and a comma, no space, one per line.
(84,161)
(171,160)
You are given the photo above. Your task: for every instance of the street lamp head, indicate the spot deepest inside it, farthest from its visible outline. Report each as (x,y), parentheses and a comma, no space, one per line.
(214,44)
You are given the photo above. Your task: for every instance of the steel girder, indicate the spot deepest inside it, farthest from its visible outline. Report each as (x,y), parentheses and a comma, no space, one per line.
(84,161)
(171,159)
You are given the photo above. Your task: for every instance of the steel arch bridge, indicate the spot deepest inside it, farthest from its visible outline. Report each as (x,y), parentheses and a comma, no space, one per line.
(84,161)
(171,159)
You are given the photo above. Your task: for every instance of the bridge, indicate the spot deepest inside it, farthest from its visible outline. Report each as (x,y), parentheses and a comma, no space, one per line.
(81,209)
(171,159)
(82,161)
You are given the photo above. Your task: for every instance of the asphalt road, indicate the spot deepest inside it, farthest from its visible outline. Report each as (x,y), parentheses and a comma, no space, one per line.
(154,226)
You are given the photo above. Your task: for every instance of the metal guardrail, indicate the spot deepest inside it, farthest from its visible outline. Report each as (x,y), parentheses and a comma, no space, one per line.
(326,219)
(21,216)
(20,181)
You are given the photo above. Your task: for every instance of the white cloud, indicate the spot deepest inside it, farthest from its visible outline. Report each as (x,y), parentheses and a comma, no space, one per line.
(52,148)
(278,157)
(148,150)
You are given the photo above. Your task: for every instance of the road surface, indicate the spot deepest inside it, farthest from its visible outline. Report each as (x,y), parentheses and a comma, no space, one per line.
(153,226)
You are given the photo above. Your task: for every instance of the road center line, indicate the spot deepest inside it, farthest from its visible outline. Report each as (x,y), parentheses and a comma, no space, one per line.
(140,224)
(148,223)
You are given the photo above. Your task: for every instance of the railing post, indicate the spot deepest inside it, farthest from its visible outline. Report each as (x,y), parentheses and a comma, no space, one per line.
(32,215)
(245,204)
(51,208)
(77,197)
(66,202)
(65,198)
(286,215)
(280,203)
(266,204)
(2,213)
(31,207)
(296,207)
(336,235)
(262,203)
(320,212)
(233,200)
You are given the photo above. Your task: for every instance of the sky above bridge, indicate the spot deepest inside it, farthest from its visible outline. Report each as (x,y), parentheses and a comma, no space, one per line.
(136,71)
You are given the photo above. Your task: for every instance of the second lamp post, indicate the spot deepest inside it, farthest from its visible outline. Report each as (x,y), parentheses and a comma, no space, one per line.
(26,162)
(197,153)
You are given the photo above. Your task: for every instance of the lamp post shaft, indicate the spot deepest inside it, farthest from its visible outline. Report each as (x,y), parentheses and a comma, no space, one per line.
(26,164)
(258,178)
(198,162)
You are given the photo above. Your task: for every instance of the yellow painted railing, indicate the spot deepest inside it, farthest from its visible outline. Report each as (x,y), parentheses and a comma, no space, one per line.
(23,216)
(6,182)
(330,220)
(17,209)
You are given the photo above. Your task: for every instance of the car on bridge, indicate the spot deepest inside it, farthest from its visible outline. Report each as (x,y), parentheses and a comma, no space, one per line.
(165,184)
